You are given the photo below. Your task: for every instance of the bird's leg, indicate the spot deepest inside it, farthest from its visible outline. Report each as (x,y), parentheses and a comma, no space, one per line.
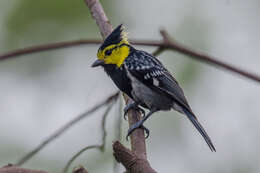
(139,124)
(133,105)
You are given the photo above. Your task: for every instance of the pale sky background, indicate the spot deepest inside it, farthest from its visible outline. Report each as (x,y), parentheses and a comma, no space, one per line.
(41,92)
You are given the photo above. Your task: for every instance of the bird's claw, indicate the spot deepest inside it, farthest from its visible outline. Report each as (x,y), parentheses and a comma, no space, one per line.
(139,124)
(141,111)
(135,107)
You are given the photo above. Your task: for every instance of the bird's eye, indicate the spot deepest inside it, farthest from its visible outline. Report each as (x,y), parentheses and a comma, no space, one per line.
(108,52)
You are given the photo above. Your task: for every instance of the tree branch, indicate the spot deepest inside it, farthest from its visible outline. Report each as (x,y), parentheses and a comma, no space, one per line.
(174,45)
(166,44)
(100,17)
(137,137)
(131,161)
(46,47)
(66,44)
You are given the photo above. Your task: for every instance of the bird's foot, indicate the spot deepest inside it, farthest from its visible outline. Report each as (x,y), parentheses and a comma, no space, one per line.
(137,125)
(134,106)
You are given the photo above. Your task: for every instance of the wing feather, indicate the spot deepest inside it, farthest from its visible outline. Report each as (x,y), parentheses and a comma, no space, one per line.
(147,69)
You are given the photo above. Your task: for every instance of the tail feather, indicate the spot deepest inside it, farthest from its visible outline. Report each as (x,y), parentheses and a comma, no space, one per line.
(199,127)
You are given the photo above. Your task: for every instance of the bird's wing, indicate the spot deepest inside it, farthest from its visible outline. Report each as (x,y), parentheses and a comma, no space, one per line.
(149,70)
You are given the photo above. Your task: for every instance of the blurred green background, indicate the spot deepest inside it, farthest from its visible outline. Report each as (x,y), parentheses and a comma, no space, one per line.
(40,92)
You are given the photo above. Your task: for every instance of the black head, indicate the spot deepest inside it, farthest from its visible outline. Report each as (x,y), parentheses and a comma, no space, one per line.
(114,50)
(114,38)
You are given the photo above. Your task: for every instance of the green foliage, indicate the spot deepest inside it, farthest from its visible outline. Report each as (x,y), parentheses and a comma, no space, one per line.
(34,22)
(28,12)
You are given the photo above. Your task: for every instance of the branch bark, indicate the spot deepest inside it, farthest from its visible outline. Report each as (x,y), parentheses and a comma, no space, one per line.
(131,161)
(137,137)
(100,17)
(67,44)
(174,45)
(162,46)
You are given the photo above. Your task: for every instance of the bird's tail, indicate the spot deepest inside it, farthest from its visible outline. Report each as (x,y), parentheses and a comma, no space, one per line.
(199,127)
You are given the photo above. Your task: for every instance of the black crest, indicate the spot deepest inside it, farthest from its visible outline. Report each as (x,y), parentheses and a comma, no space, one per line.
(114,38)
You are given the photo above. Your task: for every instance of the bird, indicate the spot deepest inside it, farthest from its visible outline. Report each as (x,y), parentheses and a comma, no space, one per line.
(143,78)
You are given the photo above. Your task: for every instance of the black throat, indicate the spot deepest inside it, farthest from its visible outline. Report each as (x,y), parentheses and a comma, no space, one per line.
(119,77)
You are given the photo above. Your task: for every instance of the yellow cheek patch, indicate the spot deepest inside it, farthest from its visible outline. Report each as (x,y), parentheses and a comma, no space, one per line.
(122,54)
(117,56)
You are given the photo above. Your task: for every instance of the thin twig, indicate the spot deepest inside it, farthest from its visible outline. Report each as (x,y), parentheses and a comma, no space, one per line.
(158,51)
(46,47)
(162,45)
(174,45)
(100,147)
(65,127)
(15,169)
(66,44)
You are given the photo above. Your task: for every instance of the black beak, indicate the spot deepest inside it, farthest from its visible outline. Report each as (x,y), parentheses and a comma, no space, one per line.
(98,63)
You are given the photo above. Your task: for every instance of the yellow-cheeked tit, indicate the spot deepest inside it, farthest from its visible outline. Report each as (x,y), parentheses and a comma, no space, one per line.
(144,79)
